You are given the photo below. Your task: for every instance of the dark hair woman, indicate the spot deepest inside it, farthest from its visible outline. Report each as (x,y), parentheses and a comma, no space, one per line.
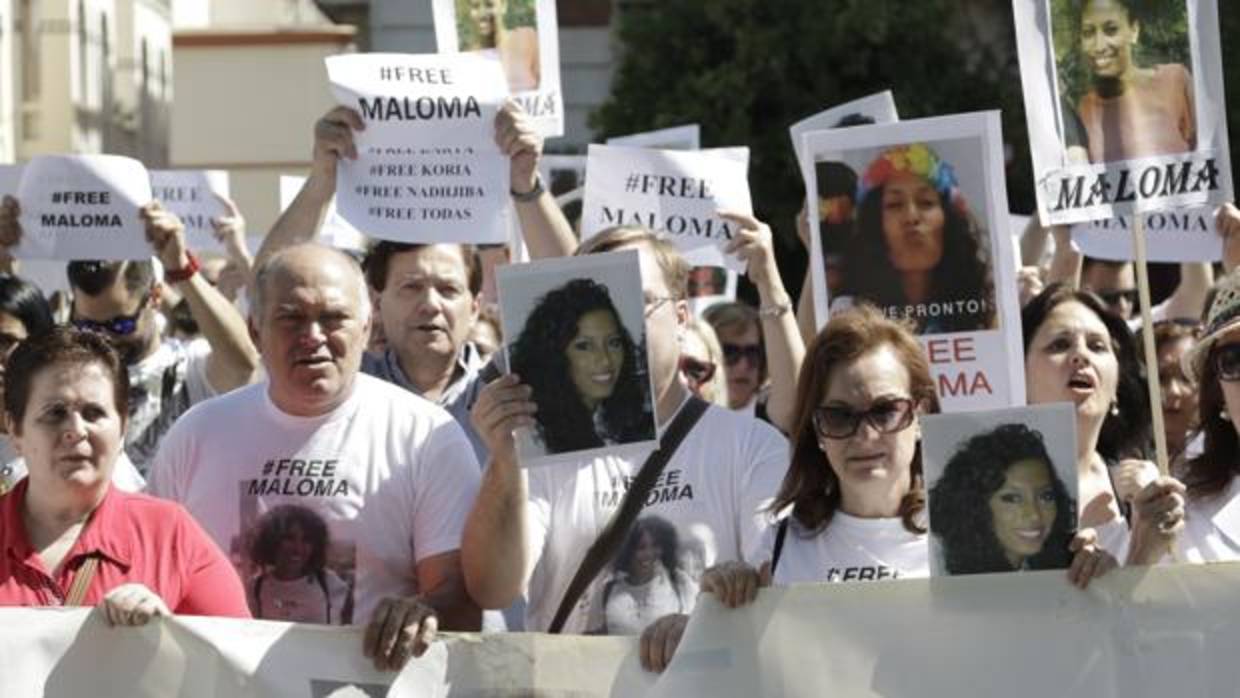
(1001,506)
(294,583)
(648,580)
(574,338)
(918,253)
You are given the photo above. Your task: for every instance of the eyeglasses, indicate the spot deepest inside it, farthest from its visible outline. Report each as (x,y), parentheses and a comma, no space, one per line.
(697,372)
(1227,362)
(653,303)
(1113,298)
(733,353)
(886,416)
(121,325)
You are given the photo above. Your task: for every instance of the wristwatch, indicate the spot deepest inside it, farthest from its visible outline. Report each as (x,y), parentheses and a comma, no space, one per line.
(530,195)
(176,276)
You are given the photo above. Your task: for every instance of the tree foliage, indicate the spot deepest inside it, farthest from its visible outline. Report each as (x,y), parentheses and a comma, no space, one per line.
(747,69)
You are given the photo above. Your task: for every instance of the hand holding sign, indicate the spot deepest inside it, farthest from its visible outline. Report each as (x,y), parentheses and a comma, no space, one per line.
(166,233)
(518,138)
(503,406)
(229,230)
(1227,222)
(333,140)
(752,243)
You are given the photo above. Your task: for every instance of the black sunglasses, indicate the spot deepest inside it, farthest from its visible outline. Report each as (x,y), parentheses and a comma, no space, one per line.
(698,372)
(886,416)
(733,353)
(1227,362)
(121,325)
(1114,297)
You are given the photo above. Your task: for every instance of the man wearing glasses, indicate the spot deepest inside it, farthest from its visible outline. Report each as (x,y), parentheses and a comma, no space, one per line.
(1116,284)
(121,300)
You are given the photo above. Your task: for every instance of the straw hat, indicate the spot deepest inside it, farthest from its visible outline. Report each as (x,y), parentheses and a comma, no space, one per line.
(1224,317)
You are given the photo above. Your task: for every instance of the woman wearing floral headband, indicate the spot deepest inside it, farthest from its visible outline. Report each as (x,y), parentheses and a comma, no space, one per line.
(918,252)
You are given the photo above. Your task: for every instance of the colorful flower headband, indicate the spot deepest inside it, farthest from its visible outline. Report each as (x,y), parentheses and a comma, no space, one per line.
(916,159)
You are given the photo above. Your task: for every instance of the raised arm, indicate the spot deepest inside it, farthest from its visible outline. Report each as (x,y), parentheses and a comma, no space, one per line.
(785,350)
(300,222)
(806,322)
(229,231)
(544,228)
(493,554)
(1227,223)
(233,357)
(1067,261)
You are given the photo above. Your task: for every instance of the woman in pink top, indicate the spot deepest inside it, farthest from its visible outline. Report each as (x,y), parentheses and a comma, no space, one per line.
(67,537)
(1130,111)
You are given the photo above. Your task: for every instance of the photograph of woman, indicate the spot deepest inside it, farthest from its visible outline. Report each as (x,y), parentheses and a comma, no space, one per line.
(294,582)
(918,252)
(648,580)
(587,374)
(508,26)
(1124,65)
(1000,506)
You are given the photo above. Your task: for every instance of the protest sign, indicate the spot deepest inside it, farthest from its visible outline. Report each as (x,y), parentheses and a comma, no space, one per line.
(428,169)
(688,137)
(194,196)
(674,192)
(83,207)
(1002,489)
(710,285)
(575,332)
(1125,107)
(931,246)
(1185,235)
(836,187)
(524,35)
(336,231)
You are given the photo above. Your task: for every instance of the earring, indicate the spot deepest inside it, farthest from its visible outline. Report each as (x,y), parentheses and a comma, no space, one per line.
(1222,414)
(1114,409)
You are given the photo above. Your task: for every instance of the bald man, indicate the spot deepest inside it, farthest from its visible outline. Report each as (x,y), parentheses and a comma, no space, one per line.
(342,496)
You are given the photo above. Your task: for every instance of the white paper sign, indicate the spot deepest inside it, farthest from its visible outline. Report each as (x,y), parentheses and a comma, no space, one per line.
(688,137)
(836,212)
(931,247)
(670,191)
(1185,235)
(83,207)
(1126,113)
(336,231)
(575,332)
(193,196)
(1002,489)
(524,34)
(428,169)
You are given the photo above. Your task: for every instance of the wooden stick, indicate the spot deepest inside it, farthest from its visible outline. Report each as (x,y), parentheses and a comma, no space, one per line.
(1147,338)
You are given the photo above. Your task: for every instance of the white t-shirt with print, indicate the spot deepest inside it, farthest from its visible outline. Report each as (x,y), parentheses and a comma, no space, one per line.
(713,493)
(13,469)
(391,474)
(1212,527)
(850,549)
(161,388)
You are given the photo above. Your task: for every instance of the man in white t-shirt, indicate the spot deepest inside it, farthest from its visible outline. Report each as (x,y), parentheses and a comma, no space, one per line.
(323,476)
(530,532)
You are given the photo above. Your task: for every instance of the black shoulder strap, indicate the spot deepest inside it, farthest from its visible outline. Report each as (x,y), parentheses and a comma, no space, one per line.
(605,547)
(779,543)
(258,595)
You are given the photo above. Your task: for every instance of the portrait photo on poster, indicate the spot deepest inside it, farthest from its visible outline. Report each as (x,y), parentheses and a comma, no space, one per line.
(575,333)
(1002,489)
(524,35)
(1124,100)
(914,239)
(291,566)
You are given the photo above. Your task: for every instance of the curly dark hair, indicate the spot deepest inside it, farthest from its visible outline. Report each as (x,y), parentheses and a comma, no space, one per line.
(275,525)
(538,356)
(963,272)
(960,514)
(664,535)
(1127,433)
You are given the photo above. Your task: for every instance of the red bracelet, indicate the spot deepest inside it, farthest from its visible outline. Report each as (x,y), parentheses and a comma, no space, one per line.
(176,276)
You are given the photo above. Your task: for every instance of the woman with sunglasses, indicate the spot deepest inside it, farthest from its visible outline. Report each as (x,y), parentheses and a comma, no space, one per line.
(853,494)
(1079,352)
(1172,341)
(1211,532)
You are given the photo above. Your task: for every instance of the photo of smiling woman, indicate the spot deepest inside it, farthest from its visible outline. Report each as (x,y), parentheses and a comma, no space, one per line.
(1000,506)
(918,253)
(587,375)
(1124,65)
(508,26)
(294,582)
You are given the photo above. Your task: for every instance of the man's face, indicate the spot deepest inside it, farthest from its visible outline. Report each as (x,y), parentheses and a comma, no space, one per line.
(426,307)
(743,362)
(115,308)
(312,331)
(1115,284)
